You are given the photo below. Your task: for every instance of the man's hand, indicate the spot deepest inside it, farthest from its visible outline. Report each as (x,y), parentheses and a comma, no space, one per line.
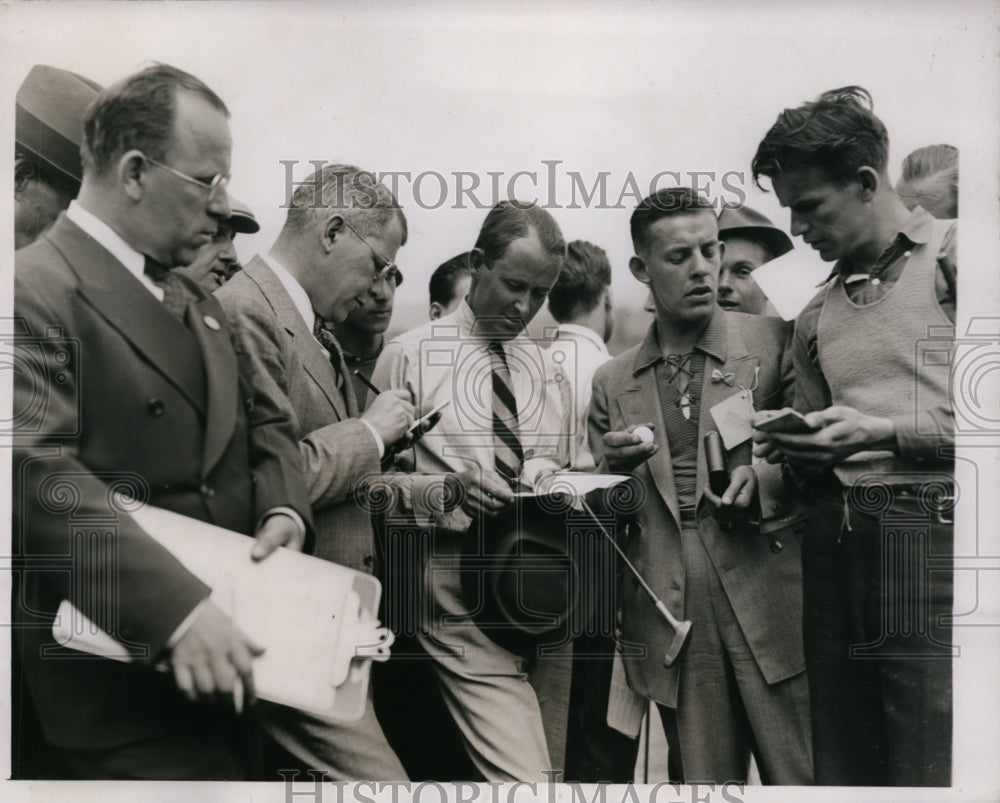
(485,492)
(844,432)
(624,450)
(214,657)
(391,414)
(277,530)
(738,497)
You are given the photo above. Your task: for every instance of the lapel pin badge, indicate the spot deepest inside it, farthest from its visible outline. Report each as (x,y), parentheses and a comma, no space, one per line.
(212,324)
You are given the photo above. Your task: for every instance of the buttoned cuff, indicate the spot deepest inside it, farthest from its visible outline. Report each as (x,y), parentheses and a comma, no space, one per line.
(915,447)
(378,439)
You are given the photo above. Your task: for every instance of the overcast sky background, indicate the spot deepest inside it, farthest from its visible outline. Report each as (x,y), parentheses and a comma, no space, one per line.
(450,87)
(640,87)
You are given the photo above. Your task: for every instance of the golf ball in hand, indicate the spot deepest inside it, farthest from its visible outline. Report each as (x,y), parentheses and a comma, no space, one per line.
(645,434)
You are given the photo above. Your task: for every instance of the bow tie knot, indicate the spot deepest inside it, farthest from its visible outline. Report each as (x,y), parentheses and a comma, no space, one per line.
(727,378)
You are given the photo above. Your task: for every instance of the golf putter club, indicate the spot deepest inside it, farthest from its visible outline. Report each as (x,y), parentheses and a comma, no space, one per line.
(681,629)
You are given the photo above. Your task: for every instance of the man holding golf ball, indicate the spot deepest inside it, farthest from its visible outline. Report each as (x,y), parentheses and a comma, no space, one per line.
(738,682)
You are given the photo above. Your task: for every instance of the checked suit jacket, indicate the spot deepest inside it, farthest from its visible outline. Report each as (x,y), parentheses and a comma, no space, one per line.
(116,399)
(288,366)
(761,574)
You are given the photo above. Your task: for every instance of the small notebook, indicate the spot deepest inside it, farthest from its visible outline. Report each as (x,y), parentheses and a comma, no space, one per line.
(315,619)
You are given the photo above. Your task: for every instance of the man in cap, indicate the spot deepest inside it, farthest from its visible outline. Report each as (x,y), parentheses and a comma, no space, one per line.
(751,240)
(48,130)
(143,401)
(217,262)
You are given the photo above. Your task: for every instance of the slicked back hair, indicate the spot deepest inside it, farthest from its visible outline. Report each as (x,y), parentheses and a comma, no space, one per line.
(838,133)
(585,275)
(364,202)
(138,113)
(666,202)
(512,220)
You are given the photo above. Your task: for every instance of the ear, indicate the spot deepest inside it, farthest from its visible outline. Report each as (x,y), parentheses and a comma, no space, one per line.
(436,310)
(638,267)
(131,172)
(477,260)
(24,173)
(333,226)
(868,179)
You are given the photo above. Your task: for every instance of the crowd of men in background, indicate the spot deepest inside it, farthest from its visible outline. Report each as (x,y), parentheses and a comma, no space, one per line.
(265,398)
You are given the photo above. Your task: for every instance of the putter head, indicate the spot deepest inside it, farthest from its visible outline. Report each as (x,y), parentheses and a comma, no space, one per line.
(677,645)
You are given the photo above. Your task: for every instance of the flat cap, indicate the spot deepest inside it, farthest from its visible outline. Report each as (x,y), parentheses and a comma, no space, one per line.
(242,221)
(49,118)
(742,221)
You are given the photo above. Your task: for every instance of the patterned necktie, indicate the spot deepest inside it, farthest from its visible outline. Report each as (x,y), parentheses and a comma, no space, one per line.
(329,342)
(175,295)
(507,452)
(681,377)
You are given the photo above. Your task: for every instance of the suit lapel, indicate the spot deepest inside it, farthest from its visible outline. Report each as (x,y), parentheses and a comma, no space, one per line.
(639,404)
(315,364)
(120,298)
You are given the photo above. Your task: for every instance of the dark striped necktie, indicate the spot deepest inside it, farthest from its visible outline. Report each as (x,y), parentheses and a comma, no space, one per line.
(175,295)
(507,452)
(329,342)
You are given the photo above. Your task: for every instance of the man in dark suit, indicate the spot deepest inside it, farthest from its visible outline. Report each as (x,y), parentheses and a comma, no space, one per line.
(130,392)
(740,684)
(336,244)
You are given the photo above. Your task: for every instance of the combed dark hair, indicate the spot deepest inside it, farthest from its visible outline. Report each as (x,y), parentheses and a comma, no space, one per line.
(138,113)
(930,179)
(663,203)
(446,276)
(585,275)
(364,201)
(838,132)
(512,220)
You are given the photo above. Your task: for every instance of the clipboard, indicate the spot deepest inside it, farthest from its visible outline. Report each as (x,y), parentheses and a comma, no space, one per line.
(315,619)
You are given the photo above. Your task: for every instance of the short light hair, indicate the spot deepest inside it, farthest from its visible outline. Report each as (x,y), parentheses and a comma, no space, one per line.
(585,275)
(930,179)
(356,194)
(137,113)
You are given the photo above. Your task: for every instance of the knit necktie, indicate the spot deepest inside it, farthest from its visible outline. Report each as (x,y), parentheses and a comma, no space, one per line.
(507,452)
(175,295)
(329,342)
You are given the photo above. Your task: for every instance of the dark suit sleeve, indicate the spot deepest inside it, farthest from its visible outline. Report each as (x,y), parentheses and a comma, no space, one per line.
(598,420)
(74,528)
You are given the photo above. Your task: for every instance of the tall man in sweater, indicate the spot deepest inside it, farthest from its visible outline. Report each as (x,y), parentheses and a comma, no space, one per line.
(880,469)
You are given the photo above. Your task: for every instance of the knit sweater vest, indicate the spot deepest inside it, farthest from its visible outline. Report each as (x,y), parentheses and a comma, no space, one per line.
(868,353)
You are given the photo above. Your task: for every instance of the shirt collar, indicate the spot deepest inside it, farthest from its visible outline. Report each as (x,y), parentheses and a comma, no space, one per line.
(108,238)
(300,298)
(582,332)
(712,341)
(916,230)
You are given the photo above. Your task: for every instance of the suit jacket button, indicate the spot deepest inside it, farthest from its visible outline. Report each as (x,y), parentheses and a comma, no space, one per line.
(777,546)
(369,560)
(155,406)
(248,404)
(207,491)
